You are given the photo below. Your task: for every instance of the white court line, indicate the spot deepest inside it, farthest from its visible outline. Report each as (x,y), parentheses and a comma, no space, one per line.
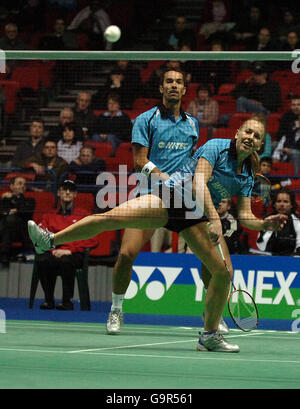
(198,356)
(152,344)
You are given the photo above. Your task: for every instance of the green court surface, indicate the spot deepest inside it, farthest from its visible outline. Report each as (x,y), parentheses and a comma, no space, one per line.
(42,354)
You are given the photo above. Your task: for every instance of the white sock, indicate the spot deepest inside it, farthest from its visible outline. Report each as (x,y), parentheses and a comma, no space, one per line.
(117,301)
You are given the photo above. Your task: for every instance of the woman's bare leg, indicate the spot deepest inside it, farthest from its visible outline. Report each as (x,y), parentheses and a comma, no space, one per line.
(218,287)
(145,212)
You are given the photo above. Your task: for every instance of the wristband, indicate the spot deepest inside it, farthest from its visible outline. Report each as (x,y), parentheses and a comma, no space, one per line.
(147,169)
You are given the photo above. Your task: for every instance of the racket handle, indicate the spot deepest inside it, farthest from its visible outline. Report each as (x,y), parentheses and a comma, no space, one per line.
(221,251)
(218,246)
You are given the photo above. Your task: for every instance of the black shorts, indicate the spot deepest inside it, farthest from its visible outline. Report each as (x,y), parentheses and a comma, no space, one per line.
(177,220)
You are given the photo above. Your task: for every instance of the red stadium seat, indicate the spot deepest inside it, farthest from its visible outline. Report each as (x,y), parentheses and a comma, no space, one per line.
(224,133)
(226,88)
(44,203)
(146,72)
(143,104)
(283,168)
(238,118)
(106,244)
(27,76)
(10,89)
(273,124)
(85,201)
(102,149)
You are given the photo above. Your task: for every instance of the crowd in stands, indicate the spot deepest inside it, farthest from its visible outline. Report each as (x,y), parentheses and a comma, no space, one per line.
(93,135)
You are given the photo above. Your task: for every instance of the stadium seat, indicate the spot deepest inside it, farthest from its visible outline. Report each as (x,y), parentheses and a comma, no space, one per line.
(27,76)
(243,75)
(82,282)
(85,201)
(227,104)
(238,118)
(44,203)
(224,133)
(226,88)
(107,244)
(102,149)
(10,89)
(143,104)
(283,168)
(273,124)
(146,72)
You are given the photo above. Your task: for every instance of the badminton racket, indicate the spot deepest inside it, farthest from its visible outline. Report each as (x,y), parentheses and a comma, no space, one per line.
(261,189)
(241,305)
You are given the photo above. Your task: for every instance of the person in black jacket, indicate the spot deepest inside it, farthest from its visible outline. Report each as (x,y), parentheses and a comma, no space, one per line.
(114,125)
(285,242)
(15,211)
(258,93)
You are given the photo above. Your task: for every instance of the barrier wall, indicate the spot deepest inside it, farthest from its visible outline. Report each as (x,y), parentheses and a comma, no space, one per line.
(170,286)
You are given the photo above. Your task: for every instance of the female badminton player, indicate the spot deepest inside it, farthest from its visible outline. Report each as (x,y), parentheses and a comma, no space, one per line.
(219,169)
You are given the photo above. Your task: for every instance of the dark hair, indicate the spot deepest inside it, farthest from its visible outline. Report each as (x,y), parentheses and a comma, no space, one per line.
(266,159)
(290,193)
(204,87)
(37,119)
(167,69)
(78,133)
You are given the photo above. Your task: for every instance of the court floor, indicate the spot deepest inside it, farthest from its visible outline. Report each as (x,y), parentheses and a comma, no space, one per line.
(44,354)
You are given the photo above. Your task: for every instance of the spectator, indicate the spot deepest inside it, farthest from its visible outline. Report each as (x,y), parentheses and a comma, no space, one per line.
(123,81)
(284,242)
(10,40)
(248,26)
(70,143)
(60,38)
(132,82)
(15,211)
(288,149)
(263,41)
(190,67)
(212,72)
(204,108)
(265,168)
(287,25)
(93,20)
(83,114)
(178,35)
(63,260)
(231,227)
(66,116)
(33,145)
(289,121)
(258,93)
(113,126)
(47,165)
(292,42)
(87,162)
(216,19)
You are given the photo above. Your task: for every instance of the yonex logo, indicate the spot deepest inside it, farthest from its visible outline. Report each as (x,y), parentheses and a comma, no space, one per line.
(155,289)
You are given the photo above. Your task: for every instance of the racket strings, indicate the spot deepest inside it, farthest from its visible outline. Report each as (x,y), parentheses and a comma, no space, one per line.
(243,310)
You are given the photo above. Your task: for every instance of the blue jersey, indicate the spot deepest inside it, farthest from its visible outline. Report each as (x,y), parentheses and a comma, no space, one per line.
(224,181)
(170,141)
